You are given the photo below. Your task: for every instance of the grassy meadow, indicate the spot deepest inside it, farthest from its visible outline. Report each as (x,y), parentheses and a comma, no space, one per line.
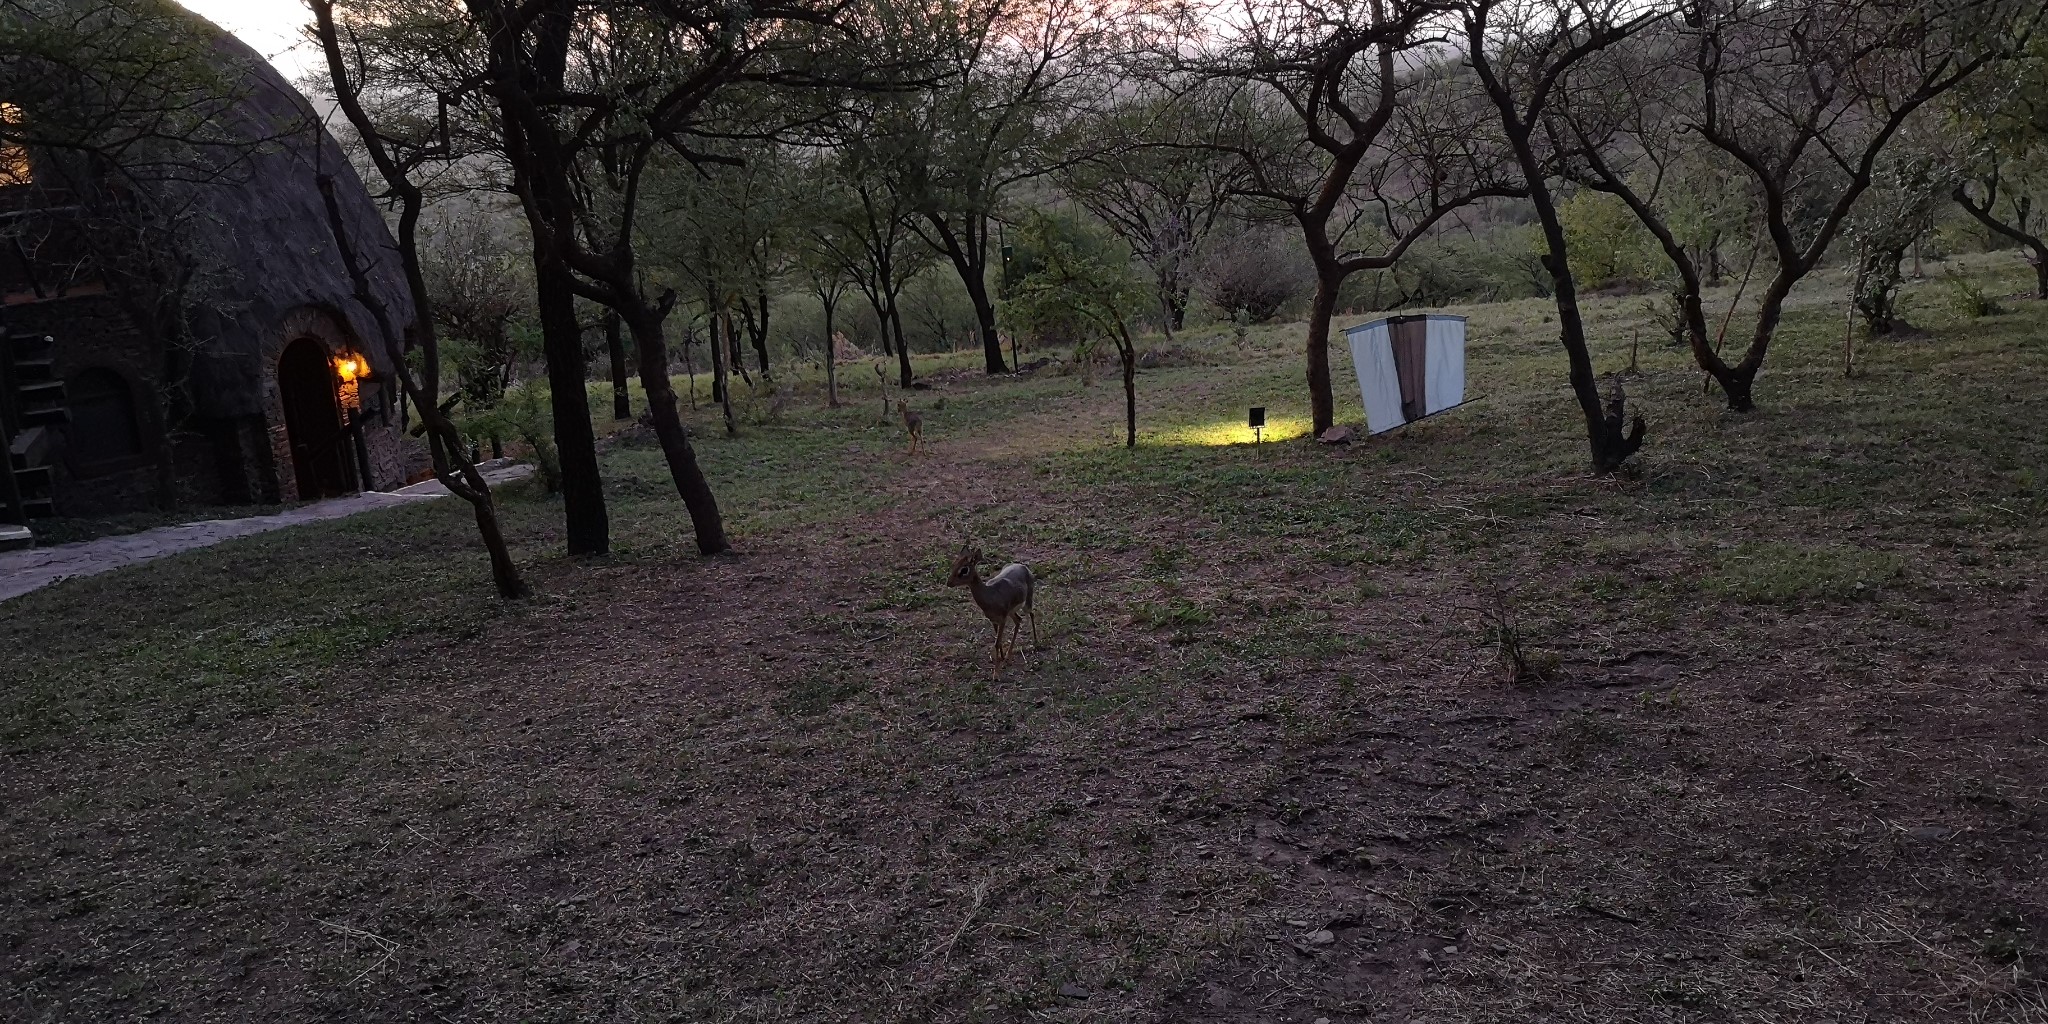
(1774,753)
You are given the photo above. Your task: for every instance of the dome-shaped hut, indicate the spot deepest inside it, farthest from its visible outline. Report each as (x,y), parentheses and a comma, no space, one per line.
(187,332)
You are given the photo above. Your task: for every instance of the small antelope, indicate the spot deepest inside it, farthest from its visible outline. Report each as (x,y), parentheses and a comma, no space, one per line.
(1005,597)
(913,422)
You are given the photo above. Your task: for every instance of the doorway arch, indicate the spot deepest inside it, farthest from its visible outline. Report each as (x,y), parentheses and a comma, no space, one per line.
(307,388)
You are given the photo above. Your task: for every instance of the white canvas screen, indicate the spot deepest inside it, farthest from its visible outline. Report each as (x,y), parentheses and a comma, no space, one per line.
(1372,356)
(1446,367)
(1383,349)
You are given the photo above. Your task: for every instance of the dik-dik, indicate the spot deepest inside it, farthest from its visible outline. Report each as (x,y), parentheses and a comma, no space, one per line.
(1005,597)
(913,422)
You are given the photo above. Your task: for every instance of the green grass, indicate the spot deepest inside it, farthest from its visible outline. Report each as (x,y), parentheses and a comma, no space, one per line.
(1779,573)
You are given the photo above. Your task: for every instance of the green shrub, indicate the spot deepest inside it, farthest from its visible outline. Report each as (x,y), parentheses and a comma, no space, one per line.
(1970,299)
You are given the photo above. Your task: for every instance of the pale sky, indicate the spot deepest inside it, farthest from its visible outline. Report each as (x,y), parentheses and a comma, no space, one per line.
(276,28)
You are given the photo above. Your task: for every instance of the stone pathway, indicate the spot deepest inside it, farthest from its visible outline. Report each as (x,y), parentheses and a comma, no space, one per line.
(25,571)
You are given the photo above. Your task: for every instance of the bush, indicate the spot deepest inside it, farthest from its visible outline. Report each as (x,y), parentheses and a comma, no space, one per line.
(1254,274)
(1970,299)
(523,414)
(1609,246)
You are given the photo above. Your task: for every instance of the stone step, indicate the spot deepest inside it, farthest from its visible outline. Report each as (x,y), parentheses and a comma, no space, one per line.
(15,538)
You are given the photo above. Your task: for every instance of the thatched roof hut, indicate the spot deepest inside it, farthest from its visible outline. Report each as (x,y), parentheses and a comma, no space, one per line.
(262,378)
(271,228)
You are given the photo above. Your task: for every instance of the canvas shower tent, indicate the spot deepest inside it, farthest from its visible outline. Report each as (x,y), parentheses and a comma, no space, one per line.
(1408,367)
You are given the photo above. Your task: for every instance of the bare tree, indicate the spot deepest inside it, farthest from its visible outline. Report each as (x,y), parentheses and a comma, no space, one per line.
(2002,118)
(1015,73)
(1524,53)
(398,158)
(1803,100)
(865,225)
(1163,200)
(1344,118)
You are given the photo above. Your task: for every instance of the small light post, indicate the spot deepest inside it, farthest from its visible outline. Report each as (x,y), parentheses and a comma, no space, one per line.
(1258,423)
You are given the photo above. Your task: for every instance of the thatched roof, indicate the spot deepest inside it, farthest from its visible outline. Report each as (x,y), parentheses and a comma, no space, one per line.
(270,228)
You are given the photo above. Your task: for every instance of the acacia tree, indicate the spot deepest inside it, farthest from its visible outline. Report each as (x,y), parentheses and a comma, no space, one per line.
(763,197)
(2002,120)
(1015,72)
(399,157)
(481,300)
(825,278)
(664,64)
(1082,285)
(864,225)
(1344,119)
(1802,100)
(1908,187)
(1163,200)
(1525,53)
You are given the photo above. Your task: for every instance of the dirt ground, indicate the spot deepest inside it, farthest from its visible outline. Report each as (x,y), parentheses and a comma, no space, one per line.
(1778,756)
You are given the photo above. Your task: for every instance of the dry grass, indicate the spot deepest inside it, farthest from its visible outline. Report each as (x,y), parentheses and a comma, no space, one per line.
(1266,766)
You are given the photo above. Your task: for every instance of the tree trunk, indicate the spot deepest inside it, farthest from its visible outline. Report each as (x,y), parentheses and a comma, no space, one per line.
(2035,247)
(717,360)
(721,385)
(1605,437)
(585,522)
(503,572)
(1739,383)
(675,441)
(985,315)
(690,363)
(736,356)
(1169,303)
(831,359)
(1322,407)
(1128,352)
(615,345)
(760,339)
(902,347)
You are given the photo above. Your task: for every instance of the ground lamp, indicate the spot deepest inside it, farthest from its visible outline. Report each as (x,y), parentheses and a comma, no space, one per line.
(1258,423)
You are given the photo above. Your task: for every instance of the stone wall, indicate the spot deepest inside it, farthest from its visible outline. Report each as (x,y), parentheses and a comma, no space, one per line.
(224,460)
(93,331)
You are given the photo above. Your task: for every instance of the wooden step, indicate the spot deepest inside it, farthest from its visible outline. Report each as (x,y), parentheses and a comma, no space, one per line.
(33,478)
(53,414)
(31,346)
(40,391)
(38,508)
(31,447)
